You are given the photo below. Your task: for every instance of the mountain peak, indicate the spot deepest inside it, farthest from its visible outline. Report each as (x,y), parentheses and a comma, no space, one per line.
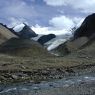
(87,28)
(19,27)
(24,31)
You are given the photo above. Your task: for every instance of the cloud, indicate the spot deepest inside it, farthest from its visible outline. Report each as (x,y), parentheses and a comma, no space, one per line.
(15,12)
(59,25)
(48,30)
(18,8)
(78,21)
(62,22)
(86,6)
(31,10)
(55,2)
(16,21)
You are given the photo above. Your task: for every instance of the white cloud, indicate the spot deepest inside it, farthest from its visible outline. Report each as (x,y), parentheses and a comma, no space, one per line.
(19,8)
(55,2)
(48,30)
(59,25)
(62,22)
(16,21)
(87,6)
(84,5)
(78,21)
(66,23)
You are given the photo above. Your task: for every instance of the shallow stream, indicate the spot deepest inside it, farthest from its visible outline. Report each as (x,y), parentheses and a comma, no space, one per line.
(76,85)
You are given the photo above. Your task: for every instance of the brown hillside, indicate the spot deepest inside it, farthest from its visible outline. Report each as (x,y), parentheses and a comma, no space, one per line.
(23,47)
(5,33)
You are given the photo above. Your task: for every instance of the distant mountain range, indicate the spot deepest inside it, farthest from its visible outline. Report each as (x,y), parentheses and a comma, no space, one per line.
(13,38)
(27,57)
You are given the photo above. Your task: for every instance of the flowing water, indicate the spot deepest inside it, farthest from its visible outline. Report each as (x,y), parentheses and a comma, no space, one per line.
(77,85)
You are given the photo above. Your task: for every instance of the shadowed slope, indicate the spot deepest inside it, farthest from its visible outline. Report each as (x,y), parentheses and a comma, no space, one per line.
(23,47)
(87,28)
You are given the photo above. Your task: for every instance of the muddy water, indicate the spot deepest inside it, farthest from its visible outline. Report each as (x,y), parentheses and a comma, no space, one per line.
(79,85)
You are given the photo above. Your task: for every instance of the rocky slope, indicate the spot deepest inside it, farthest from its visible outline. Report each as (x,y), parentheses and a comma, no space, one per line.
(5,33)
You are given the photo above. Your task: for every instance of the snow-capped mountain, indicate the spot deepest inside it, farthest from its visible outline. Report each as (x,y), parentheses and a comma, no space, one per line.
(37,37)
(24,31)
(55,44)
(52,41)
(87,28)
(19,27)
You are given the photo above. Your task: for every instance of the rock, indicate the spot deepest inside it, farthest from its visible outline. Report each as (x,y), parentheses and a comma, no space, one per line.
(14,77)
(45,72)
(69,70)
(87,28)
(23,67)
(2,78)
(46,38)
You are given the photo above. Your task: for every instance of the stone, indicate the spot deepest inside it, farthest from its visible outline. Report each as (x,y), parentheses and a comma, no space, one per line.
(14,76)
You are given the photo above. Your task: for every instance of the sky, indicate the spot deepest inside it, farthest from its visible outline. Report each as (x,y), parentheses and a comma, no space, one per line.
(46,16)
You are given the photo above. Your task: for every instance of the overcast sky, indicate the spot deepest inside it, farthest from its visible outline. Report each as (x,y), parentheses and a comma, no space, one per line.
(46,16)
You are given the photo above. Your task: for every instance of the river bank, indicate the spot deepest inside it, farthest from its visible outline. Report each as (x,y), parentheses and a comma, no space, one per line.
(77,85)
(46,74)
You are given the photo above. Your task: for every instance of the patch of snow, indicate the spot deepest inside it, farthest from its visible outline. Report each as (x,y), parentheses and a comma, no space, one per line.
(55,54)
(80,22)
(36,38)
(18,28)
(56,44)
